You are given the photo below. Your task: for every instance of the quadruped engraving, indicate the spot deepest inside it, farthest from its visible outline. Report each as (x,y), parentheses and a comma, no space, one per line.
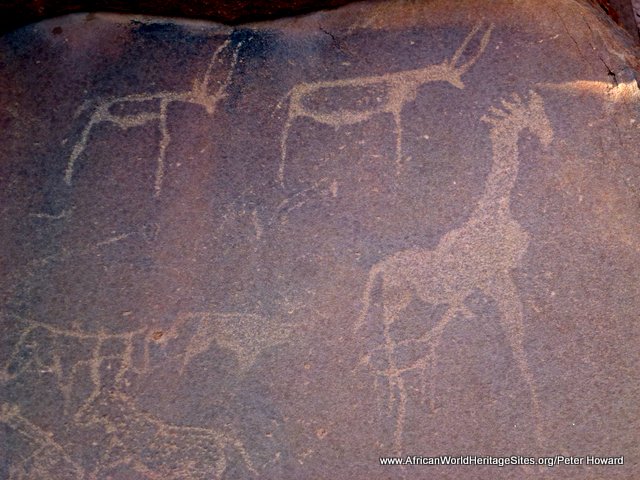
(160,101)
(401,88)
(479,255)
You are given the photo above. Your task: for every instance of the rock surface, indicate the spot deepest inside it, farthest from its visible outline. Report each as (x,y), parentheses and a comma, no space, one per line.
(14,13)
(636,10)
(285,250)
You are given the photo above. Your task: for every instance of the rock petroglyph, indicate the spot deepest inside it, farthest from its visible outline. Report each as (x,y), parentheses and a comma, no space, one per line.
(400,88)
(246,335)
(156,448)
(154,108)
(40,347)
(47,459)
(479,255)
(184,452)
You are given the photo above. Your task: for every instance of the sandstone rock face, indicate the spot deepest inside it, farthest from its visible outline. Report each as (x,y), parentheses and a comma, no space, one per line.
(286,250)
(636,10)
(14,13)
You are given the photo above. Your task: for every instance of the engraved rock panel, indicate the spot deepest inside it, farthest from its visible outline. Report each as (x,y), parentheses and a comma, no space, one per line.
(288,249)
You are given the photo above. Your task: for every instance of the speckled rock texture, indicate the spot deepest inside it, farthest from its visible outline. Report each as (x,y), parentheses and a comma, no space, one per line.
(636,11)
(288,249)
(14,13)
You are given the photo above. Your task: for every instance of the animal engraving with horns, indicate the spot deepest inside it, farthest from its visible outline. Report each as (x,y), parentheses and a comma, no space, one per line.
(400,87)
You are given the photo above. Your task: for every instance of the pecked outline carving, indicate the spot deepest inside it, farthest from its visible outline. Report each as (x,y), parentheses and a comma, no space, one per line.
(402,88)
(175,451)
(480,254)
(17,365)
(246,335)
(198,95)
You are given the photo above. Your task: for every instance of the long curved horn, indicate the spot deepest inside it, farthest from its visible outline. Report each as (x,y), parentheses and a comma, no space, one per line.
(484,41)
(207,73)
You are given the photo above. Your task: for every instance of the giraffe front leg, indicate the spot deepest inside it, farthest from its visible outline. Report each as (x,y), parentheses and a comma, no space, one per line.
(396,296)
(433,338)
(510,308)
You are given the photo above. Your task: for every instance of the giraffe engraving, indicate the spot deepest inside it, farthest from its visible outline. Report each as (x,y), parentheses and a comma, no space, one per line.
(479,255)
(400,88)
(154,108)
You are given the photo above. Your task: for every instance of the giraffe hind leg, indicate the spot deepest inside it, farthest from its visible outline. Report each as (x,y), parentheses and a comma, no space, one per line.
(395,298)
(429,368)
(511,316)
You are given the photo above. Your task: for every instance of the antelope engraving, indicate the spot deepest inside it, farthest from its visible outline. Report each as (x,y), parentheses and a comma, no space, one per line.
(49,459)
(160,101)
(479,255)
(158,449)
(400,88)
(246,335)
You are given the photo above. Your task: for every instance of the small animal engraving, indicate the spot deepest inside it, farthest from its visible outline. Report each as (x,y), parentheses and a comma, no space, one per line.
(107,111)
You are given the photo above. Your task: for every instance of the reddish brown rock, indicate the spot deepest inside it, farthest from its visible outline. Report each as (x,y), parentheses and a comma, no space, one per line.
(285,250)
(17,13)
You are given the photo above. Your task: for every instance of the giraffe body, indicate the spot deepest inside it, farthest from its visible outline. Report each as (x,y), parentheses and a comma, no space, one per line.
(452,270)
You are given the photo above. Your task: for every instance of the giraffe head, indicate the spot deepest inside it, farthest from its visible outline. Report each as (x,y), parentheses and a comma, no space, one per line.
(517,114)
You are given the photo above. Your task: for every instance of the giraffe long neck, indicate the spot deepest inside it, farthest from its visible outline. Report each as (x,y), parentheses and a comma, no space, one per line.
(496,198)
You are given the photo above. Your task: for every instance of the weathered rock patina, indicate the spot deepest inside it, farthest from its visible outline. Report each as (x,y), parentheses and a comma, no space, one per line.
(285,250)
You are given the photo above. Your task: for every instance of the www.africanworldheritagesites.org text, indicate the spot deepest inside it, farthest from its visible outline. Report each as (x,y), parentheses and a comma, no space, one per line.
(514,460)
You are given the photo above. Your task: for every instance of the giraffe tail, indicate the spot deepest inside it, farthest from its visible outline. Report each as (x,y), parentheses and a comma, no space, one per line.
(376,270)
